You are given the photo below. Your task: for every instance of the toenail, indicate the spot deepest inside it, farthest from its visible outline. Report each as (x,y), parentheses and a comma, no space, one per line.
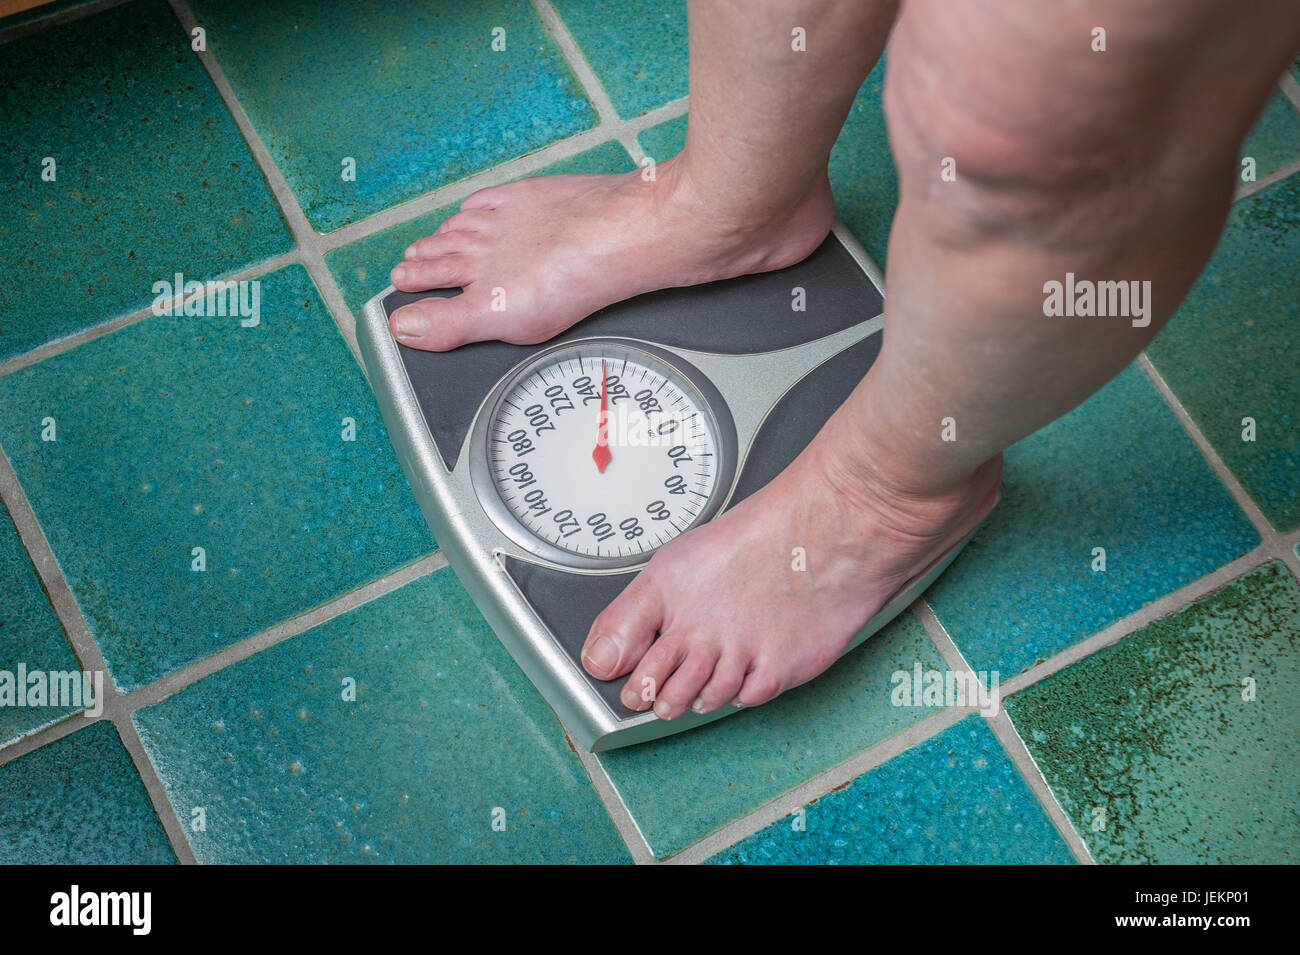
(410,251)
(409,326)
(698,706)
(604,654)
(629,699)
(399,273)
(737,704)
(663,710)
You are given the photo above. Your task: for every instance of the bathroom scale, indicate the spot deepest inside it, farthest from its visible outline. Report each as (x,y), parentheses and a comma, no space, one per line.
(550,474)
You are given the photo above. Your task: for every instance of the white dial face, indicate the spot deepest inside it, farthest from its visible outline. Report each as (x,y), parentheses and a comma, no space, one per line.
(610,486)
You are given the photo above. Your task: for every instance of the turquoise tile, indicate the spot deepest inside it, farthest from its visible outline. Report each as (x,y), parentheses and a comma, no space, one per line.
(361,268)
(638,49)
(414,94)
(442,729)
(1118,473)
(152,176)
(1229,353)
(863,177)
(682,788)
(1178,744)
(30,635)
(182,432)
(1275,139)
(665,140)
(79,801)
(956,798)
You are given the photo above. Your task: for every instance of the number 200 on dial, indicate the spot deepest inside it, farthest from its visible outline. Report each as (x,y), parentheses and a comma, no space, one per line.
(604,451)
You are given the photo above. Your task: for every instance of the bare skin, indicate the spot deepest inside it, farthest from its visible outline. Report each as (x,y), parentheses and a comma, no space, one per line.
(1116,165)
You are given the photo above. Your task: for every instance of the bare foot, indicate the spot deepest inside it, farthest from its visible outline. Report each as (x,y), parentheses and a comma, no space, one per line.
(737,623)
(538,255)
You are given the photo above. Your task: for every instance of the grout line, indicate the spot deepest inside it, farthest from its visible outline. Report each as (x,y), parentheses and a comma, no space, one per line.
(824,783)
(10,34)
(87,652)
(1158,609)
(177,680)
(50,349)
(1007,736)
(1014,746)
(1277,175)
(577,62)
(1290,87)
(615,808)
(308,240)
(1268,536)
(153,784)
(615,131)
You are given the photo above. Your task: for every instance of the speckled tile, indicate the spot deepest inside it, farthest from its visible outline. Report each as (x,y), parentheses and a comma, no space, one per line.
(414,94)
(152,177)
(1275,139)
(442,732)
(1119,473)
(1179,743)
(638,49)
(1229,353)
(182,432)
(955,798)
(361,268)
(682,788)
(665,140)
(863,178)
(30,634)
(79,801)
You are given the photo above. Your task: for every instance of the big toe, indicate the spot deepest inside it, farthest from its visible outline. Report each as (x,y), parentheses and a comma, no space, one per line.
(623,632)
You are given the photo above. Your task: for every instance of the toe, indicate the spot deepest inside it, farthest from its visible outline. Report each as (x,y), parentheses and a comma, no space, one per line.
(440,243)
(623,632)
(658,664)
(761,684)
(685,683)
(728,676)
(487,198)
(446,271)
(434,324)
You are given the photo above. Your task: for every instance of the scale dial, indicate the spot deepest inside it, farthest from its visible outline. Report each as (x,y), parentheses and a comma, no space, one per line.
(599,452)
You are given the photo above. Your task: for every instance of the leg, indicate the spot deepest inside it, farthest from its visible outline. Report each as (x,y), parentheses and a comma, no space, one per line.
(1116,165)
(748,193)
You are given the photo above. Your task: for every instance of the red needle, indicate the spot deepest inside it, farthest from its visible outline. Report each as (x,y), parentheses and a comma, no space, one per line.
(601,455)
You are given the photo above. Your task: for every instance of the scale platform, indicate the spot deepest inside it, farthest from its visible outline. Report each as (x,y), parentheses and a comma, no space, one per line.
(691,399)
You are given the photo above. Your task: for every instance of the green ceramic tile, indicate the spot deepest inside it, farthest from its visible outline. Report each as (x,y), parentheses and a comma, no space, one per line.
(414,94)
(393,733)
(637,48)
(682,788)
(79,801)
(30,636)
(665,140)
(361,269)
(151,175)
(1118,473)
(955,798)
(1179,743)
(1275,139)
(181,432)
(1229,353)
(863,178)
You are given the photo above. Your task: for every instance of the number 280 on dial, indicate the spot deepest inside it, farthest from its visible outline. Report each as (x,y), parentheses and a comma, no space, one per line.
(605,451)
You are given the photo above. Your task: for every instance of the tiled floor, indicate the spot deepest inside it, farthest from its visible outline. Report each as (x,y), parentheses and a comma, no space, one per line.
(210,512)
